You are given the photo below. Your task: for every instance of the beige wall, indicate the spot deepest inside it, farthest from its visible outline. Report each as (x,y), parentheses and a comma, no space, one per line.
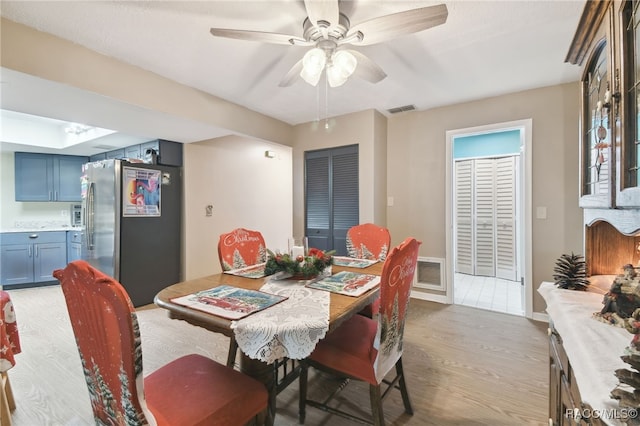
(416,162)
(246,189)
(367,129)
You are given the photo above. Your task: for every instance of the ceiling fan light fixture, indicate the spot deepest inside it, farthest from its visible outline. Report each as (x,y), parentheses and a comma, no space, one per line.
(342,65)
(313,63)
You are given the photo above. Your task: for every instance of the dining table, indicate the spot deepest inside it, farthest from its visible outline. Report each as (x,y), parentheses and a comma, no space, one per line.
(260,365)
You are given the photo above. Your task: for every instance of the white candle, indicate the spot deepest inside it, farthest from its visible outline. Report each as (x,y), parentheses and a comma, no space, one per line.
(297,251)
(607,96)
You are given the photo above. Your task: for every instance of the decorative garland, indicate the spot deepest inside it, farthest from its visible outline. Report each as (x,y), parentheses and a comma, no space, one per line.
(307,266)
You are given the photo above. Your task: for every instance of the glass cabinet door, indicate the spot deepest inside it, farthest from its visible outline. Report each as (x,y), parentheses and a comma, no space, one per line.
(628,187)
(596,169)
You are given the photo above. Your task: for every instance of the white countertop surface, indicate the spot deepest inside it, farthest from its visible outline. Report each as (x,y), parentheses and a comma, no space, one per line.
(42,229)
(593,347)
(41,226)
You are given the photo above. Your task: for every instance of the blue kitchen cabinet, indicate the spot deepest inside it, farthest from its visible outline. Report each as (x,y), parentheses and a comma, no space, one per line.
(74,245)
(133,152)
(48,177)
(31,257)
(115,154)
(98,157)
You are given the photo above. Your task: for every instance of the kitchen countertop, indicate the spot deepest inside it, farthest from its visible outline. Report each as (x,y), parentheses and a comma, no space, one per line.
(43,229)
(41,226)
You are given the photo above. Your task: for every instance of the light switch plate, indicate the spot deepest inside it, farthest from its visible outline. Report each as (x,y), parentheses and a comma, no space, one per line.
(541,213)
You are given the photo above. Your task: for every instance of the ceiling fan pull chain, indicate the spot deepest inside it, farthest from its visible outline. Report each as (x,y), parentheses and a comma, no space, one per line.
(326,102)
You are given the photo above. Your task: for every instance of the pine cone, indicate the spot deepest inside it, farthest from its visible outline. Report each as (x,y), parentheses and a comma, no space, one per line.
(570,272)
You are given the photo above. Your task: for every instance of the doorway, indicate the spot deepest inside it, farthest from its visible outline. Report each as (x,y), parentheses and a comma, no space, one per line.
(488,222)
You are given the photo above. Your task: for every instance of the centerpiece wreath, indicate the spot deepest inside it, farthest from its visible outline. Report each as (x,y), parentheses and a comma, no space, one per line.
(302,267)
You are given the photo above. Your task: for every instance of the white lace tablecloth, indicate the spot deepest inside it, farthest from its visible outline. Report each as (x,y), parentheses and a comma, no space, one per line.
(290,329)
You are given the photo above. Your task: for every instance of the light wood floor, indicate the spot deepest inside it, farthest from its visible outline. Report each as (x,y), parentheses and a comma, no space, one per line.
(465,366)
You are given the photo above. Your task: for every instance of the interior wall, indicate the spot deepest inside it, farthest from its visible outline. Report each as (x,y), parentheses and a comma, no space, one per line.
(367,130)
(246,189)
(416,160)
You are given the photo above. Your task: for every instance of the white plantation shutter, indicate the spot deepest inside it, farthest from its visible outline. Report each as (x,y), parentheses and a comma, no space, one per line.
(484,189)
(485,217)
(464,216)
(506,218)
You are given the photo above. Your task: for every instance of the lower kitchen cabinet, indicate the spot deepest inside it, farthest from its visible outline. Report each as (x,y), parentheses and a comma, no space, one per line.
(74,245)
(31,257)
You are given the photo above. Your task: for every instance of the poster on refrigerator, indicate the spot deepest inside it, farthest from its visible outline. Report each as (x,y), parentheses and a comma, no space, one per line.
(140,192)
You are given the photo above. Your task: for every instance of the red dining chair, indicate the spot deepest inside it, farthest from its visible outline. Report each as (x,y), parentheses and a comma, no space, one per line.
(240,248)
(191,390)
(366,349)
(368,241)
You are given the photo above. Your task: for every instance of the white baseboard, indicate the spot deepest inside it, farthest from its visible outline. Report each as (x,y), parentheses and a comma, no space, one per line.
(430,297)
(540,316)
(537,316)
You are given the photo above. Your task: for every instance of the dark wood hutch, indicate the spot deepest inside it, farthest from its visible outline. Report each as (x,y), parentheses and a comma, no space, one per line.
(607,47)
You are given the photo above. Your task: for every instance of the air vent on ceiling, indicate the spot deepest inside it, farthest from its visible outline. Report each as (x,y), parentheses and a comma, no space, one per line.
(104,147)
(401,109)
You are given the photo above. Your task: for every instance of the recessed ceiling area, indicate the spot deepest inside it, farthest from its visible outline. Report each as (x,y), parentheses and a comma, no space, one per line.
(42,132)
(46,108)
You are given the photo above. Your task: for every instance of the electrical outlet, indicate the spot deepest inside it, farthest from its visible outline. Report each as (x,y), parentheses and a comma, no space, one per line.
(208,211)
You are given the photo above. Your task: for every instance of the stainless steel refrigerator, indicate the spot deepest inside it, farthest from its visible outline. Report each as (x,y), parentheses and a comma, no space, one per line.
(132,218)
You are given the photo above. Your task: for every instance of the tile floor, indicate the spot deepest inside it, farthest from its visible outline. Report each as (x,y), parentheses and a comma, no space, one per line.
(489,293)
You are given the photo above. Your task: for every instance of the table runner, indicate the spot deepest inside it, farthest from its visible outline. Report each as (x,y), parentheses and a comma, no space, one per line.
(289,329)
(9,339)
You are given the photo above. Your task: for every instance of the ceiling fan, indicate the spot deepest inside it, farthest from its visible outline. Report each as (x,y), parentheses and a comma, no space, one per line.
(330,33)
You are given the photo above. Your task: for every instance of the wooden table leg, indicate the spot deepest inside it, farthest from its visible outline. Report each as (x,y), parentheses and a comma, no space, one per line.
(7,403)
(266,374)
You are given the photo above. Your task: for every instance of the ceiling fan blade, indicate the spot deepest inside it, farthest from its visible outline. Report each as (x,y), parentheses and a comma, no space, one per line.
(367,69)
(265,37)
(322,10)
(292,75)
(383,28)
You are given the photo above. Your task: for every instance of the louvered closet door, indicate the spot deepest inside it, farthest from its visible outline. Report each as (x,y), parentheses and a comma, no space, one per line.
(506,265)
(317,200)
(484,217)
(464,216)
(331,196)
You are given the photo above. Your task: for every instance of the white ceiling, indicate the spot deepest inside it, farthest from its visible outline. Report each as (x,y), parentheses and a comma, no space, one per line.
(486,48)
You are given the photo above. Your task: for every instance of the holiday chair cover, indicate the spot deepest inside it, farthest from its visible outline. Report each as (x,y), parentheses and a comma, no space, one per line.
(241,248)
(108,338)
(188,391)
(9,338)
(365,348)
(368,241)
(395,290)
